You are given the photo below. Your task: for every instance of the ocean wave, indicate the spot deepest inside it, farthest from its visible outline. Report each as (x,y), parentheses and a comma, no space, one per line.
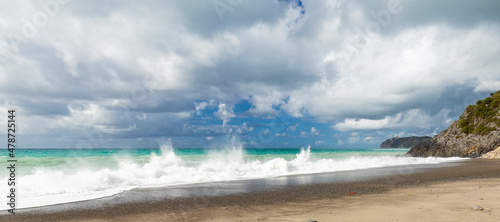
(74,182)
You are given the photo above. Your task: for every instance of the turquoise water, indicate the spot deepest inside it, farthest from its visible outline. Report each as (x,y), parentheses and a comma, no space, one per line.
(33,159)
(70,153)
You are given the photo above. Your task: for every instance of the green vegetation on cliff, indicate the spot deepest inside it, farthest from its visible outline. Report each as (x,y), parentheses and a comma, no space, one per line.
(481,118)
(475,134)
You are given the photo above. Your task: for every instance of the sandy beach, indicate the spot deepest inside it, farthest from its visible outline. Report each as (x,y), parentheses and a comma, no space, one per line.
(441,194)
(450,201)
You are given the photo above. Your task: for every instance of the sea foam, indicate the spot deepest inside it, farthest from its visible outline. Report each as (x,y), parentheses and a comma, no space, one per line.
(69,183)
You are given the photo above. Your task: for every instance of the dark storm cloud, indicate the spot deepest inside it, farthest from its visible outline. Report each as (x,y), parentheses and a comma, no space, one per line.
(461,14)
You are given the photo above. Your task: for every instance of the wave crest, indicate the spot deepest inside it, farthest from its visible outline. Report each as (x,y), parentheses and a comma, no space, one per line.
(46,186)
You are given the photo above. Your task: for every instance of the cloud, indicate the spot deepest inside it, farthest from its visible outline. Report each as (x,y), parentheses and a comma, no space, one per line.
(368,139)
(320,142)
(153,69)
(225,113)
(396,75)
(292,128)
(201,106)
(409,119)
(314,131)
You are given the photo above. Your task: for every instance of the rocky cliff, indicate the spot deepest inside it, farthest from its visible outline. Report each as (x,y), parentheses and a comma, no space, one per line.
(495,154)
(404,142)
(474,134)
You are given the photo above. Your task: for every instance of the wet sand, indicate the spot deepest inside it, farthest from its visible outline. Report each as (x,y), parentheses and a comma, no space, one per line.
(440,194)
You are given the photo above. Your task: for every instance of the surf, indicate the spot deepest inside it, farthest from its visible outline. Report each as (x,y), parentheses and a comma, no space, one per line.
(68,178)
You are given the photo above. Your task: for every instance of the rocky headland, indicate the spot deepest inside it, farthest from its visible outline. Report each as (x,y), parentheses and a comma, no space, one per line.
(475,134)
(404,142)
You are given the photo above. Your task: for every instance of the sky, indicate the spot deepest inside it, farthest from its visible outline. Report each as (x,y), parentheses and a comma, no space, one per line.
(270,73)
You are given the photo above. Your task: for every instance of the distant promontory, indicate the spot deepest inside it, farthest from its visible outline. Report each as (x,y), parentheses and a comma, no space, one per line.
(404,142)
(475,134)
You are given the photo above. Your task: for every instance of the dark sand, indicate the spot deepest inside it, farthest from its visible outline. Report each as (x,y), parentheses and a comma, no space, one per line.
(206,208)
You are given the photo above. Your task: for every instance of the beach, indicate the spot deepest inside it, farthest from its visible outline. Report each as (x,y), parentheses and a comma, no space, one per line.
(233,110)
(434,194)
(448,201)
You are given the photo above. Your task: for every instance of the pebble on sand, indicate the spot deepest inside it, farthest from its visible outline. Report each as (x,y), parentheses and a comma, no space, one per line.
(477,208)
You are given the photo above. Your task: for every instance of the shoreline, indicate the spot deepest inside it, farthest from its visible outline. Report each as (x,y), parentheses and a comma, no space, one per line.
(231,187)
(194,208)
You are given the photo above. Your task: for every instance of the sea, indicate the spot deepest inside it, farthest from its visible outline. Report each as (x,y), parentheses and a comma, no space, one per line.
(54,176)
